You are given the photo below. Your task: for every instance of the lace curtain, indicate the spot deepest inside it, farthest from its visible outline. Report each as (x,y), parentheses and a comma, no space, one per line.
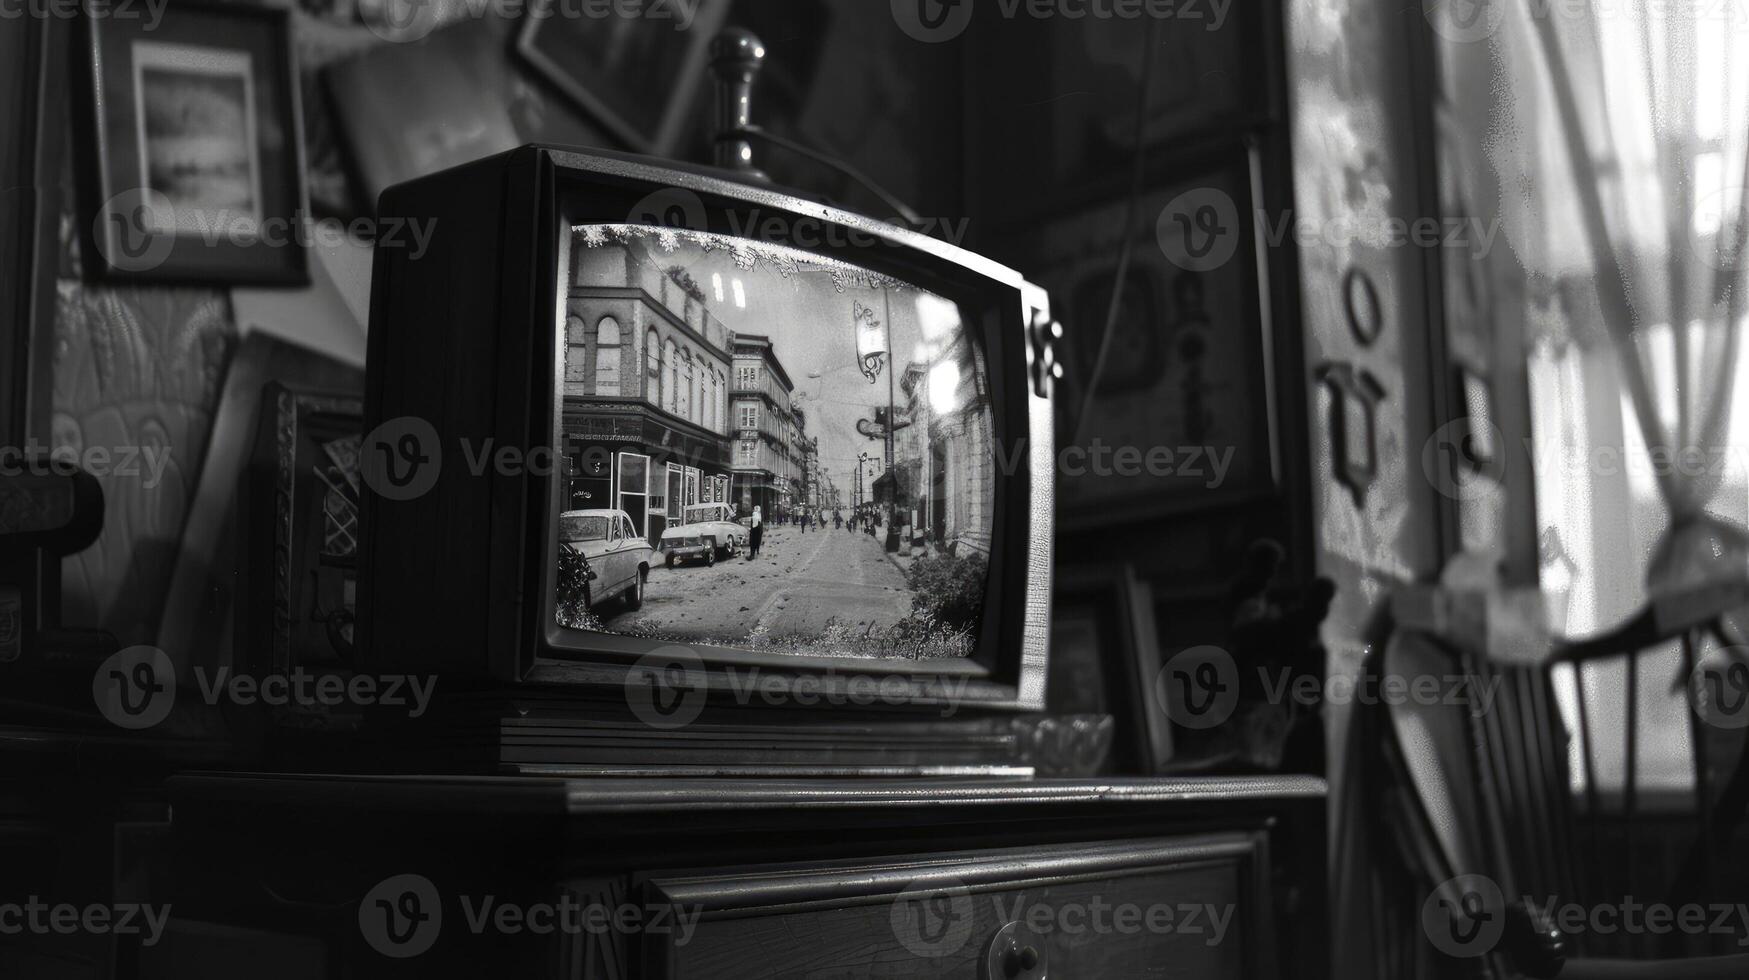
(1633,129)
(1617,132)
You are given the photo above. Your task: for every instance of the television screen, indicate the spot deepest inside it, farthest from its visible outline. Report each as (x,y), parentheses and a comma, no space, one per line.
(766,449)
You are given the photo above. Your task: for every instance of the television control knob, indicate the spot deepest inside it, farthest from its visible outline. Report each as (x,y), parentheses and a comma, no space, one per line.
(1015,953)
(1041,353)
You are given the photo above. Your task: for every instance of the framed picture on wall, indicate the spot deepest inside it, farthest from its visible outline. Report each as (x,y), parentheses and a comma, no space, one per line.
(198,147)
(1104,655)
(406,110)
(1180,414)
(636,68)
(1082,86)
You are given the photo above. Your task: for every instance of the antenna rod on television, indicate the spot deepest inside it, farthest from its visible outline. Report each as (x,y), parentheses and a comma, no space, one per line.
(737,55)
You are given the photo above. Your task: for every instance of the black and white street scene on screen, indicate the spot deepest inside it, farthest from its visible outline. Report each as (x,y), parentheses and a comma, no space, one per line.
(769,450)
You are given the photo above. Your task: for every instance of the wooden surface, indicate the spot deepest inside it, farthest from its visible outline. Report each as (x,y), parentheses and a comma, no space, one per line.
(791,878)
(933,917)
(629,795)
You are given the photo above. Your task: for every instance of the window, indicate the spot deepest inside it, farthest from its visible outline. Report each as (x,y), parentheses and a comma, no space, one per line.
(672,383)
(749,418)
(576,351)
(656,503)
(607,357)
(701,400)
(579,528)
(747,377)
(685,410)
(749,452)
(653,368)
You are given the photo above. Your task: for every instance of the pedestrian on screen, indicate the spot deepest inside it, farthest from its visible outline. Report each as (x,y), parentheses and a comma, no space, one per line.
(757,535)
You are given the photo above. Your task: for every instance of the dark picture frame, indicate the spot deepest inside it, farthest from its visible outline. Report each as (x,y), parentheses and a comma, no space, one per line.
(637,76)
(1183,324)
(33,57)
(302,527)
(1111,609)
(196,131)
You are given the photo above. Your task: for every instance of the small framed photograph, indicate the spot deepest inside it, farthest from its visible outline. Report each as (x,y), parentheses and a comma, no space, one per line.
(198,142)
(302,526)
(634,67)
(1105,653)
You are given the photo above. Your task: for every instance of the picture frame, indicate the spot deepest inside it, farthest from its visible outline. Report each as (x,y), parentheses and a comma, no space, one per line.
(32,58)
(213,577)
(403,111)
(1192,347)
(637,76)
(302,528)
(1105,653)
(1192,99)
(197,147)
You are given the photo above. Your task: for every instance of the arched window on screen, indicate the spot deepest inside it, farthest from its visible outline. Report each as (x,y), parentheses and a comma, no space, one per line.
(685,410)
(576,355)
(607,345)
(671,399)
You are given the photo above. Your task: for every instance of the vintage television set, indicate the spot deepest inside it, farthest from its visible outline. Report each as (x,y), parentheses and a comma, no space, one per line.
(595,378)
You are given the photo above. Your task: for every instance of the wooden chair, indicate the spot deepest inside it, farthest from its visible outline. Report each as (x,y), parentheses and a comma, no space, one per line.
(1483,811)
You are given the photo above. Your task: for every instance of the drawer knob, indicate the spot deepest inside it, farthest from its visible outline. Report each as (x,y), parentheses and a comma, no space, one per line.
(1016,953)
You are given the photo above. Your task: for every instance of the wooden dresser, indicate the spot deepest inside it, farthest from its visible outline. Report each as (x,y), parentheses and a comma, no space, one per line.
(692,878)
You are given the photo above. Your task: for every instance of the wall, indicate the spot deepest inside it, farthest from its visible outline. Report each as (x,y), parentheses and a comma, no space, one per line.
(1371,323)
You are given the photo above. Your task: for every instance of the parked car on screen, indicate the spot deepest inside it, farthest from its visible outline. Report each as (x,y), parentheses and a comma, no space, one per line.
(706,532)
(613,551)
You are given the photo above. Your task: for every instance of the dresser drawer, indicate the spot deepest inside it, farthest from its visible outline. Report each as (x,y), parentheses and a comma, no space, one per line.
(1188,907)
